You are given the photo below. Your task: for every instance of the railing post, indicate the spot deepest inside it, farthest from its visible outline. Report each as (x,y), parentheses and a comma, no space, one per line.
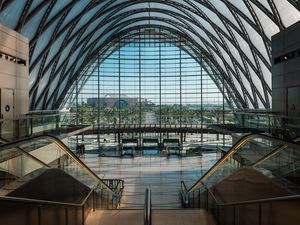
(101,197)
(82,215)
(94,203)
(107,199)
(66,216)
(112,201)
(207,199)
(234,222)
(193,199)
(31,127)
(199,198)
(39,215)
(218,214)
(260,214)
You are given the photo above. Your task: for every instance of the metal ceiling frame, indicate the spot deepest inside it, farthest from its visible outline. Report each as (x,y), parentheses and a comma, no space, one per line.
(176,16)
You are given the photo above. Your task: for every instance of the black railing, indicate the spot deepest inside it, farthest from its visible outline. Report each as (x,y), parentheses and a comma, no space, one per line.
(278,210)
(256,212)
(24,211)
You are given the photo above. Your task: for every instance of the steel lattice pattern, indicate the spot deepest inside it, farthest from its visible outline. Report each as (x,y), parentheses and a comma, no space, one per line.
(234,36)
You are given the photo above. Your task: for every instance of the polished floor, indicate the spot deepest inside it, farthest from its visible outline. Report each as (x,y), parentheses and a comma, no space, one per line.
(161,174)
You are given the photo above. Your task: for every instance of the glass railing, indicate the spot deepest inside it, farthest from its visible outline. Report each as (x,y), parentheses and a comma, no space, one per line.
(264,121)
(18,163)
(15,163)
(284,161)
(36,123)
(272,156)
(23,157)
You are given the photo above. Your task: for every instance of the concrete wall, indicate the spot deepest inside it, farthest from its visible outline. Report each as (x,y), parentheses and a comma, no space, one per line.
(286,74)
(14,75)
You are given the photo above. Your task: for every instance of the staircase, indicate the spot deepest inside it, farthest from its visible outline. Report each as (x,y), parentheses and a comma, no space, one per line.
(150,216)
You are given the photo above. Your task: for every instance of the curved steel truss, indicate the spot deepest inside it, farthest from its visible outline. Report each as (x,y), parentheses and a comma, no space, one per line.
(233,35)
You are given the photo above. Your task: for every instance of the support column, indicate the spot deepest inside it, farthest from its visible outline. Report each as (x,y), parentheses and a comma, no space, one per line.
(180,97)
(160,120)
(98,104)
(201,91)
(140,94)
(77,110)
(119,97)
(223,113)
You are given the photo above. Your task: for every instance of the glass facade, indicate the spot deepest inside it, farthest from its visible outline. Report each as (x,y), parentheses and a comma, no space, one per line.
(149,82)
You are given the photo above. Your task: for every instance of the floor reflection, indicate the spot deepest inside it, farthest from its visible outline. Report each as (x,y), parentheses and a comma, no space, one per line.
(161,174)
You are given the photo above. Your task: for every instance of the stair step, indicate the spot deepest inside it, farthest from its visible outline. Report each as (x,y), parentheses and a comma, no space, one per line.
(182,217)
(116,217)
(159,217)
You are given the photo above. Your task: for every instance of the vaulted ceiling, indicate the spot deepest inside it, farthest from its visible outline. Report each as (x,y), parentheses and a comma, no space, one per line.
(234,36)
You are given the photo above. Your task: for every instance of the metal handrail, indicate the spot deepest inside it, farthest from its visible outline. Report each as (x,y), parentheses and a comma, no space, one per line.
(64,206)
(33,116)
(64,148)
(35,201)
(148,208)
(258,202)
(45,202)
(264,200)
(233,149)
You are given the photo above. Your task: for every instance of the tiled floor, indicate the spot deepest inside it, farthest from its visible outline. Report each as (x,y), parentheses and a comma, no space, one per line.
(161,174)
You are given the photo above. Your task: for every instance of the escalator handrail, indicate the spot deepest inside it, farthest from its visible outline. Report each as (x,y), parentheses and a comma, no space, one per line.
(4,141)
(63,147)
(240,143)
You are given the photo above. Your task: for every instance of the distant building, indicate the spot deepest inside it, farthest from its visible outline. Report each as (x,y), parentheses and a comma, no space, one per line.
(114,100)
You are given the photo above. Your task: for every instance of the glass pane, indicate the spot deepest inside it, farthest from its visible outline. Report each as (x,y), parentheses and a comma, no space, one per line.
(14,164)
(11,15)
(55,156)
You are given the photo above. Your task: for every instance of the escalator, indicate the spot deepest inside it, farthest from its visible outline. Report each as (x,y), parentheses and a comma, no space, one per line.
(256,178)
(4,175)
(25,159)
(259,151)
(13,161)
